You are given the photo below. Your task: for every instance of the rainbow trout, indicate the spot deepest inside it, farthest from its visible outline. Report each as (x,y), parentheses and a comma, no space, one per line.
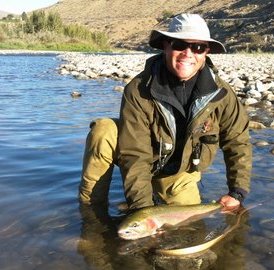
(150,220)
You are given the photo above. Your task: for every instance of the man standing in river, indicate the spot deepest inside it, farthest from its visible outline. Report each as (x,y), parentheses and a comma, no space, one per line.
(174,115)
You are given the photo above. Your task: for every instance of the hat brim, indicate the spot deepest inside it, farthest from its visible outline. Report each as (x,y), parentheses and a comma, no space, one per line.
(157,37)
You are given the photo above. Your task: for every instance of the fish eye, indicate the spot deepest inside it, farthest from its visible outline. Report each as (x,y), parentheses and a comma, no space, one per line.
(134,225)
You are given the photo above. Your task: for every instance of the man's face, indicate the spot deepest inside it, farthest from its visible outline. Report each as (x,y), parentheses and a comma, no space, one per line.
(185,57)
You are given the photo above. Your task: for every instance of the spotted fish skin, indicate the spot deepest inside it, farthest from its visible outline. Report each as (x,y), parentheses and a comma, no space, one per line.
(148,221)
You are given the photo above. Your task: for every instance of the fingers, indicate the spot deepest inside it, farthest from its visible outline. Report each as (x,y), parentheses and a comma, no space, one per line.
(229,203)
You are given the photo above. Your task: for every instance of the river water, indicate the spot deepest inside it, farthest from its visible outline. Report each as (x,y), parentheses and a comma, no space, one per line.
(42,139)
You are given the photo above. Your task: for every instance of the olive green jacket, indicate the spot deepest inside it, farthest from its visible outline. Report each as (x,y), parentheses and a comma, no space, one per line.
(147,134)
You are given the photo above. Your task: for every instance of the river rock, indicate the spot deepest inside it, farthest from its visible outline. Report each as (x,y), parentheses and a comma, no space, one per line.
(259,86)
(254,94)
(261,244)
(119,88)
(261,143)
(249,101)
(256,125)
(269,97)
(91,74)
(64,71)
(75,94)
(237,83)
(81,76)
(201,261)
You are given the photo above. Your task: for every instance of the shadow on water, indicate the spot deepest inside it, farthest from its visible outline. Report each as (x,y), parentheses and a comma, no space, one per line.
(42,225)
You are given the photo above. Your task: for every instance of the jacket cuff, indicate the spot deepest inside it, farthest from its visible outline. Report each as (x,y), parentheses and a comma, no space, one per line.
(238,193)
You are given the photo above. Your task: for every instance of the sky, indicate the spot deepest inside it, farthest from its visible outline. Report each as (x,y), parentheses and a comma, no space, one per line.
(19,6)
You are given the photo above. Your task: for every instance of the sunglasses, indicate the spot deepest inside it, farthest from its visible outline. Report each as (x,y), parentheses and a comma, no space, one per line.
(180,45)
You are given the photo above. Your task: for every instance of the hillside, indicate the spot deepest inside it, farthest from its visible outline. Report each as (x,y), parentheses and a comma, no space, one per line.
(240,24)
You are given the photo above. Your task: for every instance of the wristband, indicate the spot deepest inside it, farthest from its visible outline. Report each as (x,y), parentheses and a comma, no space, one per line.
(236,195)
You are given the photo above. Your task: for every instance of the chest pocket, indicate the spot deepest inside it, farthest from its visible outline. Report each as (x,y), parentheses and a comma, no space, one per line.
(205,145)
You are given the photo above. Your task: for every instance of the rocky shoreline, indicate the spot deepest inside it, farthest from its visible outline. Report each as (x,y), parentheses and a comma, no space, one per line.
(251,76)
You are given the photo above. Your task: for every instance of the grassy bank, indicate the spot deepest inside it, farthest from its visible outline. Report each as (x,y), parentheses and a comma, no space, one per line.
(47,32)
(32,42)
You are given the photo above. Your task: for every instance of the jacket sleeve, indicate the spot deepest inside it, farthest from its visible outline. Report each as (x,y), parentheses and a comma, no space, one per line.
(236,146)
(135,150)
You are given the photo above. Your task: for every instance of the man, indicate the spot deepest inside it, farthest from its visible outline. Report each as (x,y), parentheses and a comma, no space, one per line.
(174,115)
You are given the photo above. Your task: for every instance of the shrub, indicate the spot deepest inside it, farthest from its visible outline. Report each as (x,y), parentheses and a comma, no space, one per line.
(166,14)
(41,31)
(2,34)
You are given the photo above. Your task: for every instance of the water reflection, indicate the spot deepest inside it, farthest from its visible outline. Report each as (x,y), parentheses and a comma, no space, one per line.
(99,242)
(96,239)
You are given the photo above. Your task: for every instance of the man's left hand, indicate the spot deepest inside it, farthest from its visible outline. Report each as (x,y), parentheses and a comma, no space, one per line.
(229,203)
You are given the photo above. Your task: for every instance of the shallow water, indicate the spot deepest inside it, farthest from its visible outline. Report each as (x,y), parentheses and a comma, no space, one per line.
(43,132)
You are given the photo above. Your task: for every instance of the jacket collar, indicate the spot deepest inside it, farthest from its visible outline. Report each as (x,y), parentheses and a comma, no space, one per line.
(164,84)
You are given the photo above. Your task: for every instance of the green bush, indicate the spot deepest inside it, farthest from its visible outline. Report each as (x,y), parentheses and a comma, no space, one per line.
(42,32)
(166,14)
(77,31)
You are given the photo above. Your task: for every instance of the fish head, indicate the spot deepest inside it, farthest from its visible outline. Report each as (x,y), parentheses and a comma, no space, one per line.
(136,226)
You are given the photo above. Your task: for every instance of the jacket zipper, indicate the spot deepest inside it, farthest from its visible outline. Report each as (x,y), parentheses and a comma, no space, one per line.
(196,147)
(163,159)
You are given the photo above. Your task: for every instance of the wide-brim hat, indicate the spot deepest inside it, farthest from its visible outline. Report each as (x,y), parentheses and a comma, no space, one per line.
(186,26)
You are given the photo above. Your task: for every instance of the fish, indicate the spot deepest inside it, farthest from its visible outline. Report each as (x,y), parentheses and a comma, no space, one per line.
(210,240)
(151,220)
(170,239)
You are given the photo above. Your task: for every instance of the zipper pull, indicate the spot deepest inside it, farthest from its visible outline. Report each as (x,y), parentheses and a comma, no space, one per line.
(196,156)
